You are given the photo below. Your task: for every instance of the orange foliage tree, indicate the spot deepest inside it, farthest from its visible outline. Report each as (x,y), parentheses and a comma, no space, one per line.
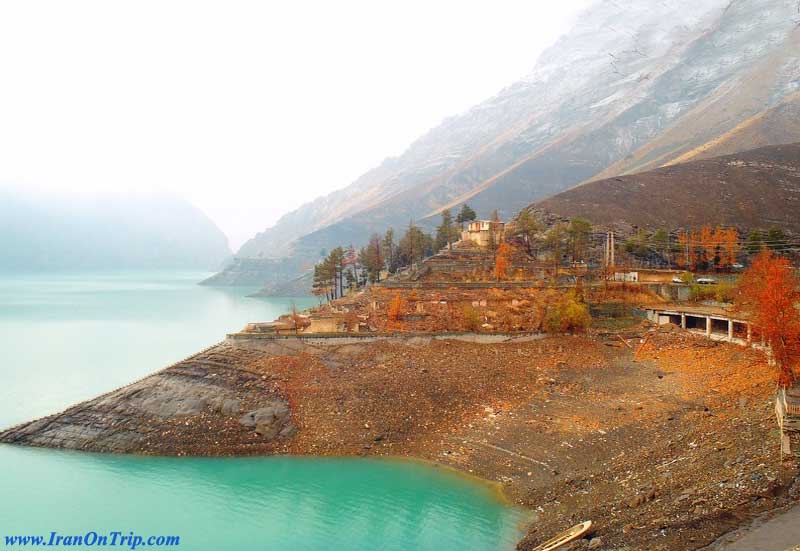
(705,252)
(768,291)
(706,248)
(396,308)
(729,238)
(502,261)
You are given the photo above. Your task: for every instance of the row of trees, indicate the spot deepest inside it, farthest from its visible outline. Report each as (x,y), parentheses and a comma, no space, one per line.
(570,240)
(704,248)
(344,268)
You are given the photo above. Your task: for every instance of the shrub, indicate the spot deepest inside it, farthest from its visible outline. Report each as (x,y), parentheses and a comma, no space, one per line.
(720,292)
(569,314)
(472,319)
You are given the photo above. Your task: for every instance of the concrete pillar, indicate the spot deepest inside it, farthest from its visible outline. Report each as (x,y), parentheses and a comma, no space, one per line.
(730,330)
(708,326)
(683,321)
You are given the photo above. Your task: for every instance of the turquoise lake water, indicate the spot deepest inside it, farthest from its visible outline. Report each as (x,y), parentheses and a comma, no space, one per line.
(68,337)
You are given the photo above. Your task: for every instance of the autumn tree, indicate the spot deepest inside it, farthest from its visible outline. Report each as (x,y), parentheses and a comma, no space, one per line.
(502,261)
(570,313)
(730,247)
(707,246)
(768,292)
(396,307)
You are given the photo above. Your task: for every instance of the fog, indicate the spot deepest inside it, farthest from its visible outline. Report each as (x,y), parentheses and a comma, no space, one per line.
(245,109)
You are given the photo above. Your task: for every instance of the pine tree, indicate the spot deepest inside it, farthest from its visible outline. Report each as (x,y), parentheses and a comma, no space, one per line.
(446,233)
(579,231)
(465,215)
(527,226)
(390,251)
(754,242)
(776,239)
(661,243)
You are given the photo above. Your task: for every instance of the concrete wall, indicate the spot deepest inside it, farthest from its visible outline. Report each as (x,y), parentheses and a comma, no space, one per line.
(412,338)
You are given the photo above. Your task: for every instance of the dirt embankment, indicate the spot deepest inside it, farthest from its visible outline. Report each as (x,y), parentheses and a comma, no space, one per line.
(665,449)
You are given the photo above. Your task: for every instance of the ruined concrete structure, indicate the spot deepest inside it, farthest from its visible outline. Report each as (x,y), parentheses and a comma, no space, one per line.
(714,323)
(483,232)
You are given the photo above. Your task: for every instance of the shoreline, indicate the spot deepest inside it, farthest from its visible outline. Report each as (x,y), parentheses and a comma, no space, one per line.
(556,425)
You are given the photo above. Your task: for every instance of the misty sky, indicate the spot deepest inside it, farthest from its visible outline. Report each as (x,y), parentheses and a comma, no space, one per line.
(247,109)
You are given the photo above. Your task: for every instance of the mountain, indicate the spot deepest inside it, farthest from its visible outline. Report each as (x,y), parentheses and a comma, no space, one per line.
(45,232)
(633,86)
(754,189)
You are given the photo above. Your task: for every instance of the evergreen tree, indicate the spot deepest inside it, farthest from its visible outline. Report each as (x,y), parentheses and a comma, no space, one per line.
(776,239)
(579,231)
(555,241)
(661,243)
(527,226)
(414,246)
(390,251)
(465,215)
(754,242)
(447,232)
(371,258)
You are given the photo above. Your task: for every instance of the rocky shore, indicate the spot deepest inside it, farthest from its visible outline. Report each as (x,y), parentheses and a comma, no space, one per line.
(665,445)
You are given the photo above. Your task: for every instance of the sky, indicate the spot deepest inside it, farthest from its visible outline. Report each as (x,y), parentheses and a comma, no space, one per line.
(246,109)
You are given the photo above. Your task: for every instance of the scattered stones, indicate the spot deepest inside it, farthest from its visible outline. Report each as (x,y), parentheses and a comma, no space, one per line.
(595,543)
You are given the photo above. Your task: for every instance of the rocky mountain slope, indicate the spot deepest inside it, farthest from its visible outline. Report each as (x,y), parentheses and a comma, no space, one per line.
(47,232)
(632,86)
(754,189)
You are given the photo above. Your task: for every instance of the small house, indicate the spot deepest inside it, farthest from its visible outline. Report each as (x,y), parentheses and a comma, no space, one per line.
(646,275)
(483,232)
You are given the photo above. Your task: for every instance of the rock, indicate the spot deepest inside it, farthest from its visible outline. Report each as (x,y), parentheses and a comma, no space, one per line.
(230,407)
(268,421)
(595,543)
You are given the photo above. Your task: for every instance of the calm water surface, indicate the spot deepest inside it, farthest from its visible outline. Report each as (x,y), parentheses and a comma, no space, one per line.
(67,337)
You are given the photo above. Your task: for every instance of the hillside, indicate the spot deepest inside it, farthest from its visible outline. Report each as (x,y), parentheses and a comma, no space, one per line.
(45,232)
(753,189)
(631,87)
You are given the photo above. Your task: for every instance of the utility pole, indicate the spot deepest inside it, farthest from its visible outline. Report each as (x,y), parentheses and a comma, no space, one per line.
(687,249)
(613,246)
(411,245)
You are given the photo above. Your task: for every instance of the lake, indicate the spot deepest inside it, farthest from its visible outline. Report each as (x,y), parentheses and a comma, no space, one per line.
(69,337)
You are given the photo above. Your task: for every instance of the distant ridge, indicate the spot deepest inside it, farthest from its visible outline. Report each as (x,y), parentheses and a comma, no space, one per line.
(44,233)
(753,189)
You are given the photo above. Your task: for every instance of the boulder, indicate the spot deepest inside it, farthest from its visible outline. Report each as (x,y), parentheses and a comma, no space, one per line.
(269,421)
